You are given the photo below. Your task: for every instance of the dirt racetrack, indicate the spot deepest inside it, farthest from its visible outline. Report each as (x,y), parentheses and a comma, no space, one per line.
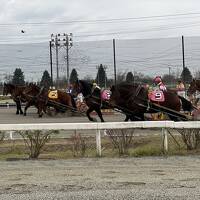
(9,116)
(176,177)
(101,178)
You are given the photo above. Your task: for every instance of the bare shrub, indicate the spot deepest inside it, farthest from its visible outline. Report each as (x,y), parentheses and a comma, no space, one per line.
(121,139)
(78,145)
(191,138)
(36,140)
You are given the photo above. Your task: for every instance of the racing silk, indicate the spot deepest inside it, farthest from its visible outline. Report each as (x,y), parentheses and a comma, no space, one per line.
(162,86)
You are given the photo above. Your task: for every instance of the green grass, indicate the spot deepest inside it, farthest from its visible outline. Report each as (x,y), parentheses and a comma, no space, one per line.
(62,148)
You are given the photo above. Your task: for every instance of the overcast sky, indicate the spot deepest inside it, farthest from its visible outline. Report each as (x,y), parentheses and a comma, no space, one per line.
(97,19)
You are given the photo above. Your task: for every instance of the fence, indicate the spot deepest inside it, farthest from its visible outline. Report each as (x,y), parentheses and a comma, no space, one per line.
(103,126)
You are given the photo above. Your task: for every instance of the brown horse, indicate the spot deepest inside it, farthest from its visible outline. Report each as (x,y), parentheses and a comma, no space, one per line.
(16,94)
(194,86)
(39,97)
(33,97)
(133,101)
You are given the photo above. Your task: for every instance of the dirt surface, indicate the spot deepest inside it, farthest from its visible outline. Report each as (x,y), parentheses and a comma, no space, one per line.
(96,178)
(9,116)
(101,178)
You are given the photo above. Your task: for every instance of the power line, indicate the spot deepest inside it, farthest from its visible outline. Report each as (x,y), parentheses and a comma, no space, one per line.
(103,20)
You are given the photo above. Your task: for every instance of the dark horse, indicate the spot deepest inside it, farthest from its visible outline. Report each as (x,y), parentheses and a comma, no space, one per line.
(36,96)
(194,86)
(133,101)
(92,97)
(16,94)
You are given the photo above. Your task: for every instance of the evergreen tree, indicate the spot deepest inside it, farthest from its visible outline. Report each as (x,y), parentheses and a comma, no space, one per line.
(18,77)
(73,76)
(46,80)
(129,77)
(101,77)
(186,75)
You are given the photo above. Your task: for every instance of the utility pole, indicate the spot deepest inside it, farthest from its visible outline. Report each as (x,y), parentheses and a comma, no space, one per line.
(114,60)
(57,70)
(169,71)
(61,40)
(105,84)
(51,62)
(68,45)
(169,75)
(97,67)
(183,54)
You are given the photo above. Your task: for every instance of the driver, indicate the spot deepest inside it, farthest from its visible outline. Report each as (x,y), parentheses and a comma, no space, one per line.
(159,83)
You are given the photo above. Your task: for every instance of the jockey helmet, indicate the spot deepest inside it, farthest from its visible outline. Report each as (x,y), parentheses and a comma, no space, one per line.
(157,79)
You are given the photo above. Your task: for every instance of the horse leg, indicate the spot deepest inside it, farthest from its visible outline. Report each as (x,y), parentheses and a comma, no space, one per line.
(40,110)
(28,104)
(17,105)
(88,114)
(20,108)
(98,111)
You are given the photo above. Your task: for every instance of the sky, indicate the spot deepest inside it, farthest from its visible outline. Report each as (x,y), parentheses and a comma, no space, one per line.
(91,20)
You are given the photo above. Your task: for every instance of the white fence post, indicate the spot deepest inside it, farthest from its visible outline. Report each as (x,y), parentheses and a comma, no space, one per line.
(165,140)
(11,135)
(98,142)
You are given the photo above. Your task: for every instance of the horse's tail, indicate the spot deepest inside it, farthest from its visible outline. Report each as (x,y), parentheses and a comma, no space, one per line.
(186,105)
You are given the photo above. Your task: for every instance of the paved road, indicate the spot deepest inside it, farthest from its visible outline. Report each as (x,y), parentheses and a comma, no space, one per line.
(9,116)
(176,178)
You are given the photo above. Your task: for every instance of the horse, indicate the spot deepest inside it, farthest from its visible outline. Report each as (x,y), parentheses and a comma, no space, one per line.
(16,94)
(92,97)
(32,95)
(133,100)
(39,97)
(194,86)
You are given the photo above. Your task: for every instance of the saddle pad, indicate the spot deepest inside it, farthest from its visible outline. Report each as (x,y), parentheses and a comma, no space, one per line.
(156,95)
(105,95)
(53,94)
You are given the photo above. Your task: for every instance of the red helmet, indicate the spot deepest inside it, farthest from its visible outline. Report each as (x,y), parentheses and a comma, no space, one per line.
(157,79)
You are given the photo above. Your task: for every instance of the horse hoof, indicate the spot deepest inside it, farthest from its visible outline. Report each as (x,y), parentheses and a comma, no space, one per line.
(40,116)
(24,114)
(21,113)
(17,113)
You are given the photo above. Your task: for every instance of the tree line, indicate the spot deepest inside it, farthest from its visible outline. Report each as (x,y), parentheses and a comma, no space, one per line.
(101,78)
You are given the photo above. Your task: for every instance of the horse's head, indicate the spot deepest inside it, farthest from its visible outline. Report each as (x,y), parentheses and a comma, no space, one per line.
(192,88)
(83,87)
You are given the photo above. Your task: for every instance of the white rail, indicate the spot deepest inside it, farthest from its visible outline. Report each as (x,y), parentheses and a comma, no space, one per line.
(102,126)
